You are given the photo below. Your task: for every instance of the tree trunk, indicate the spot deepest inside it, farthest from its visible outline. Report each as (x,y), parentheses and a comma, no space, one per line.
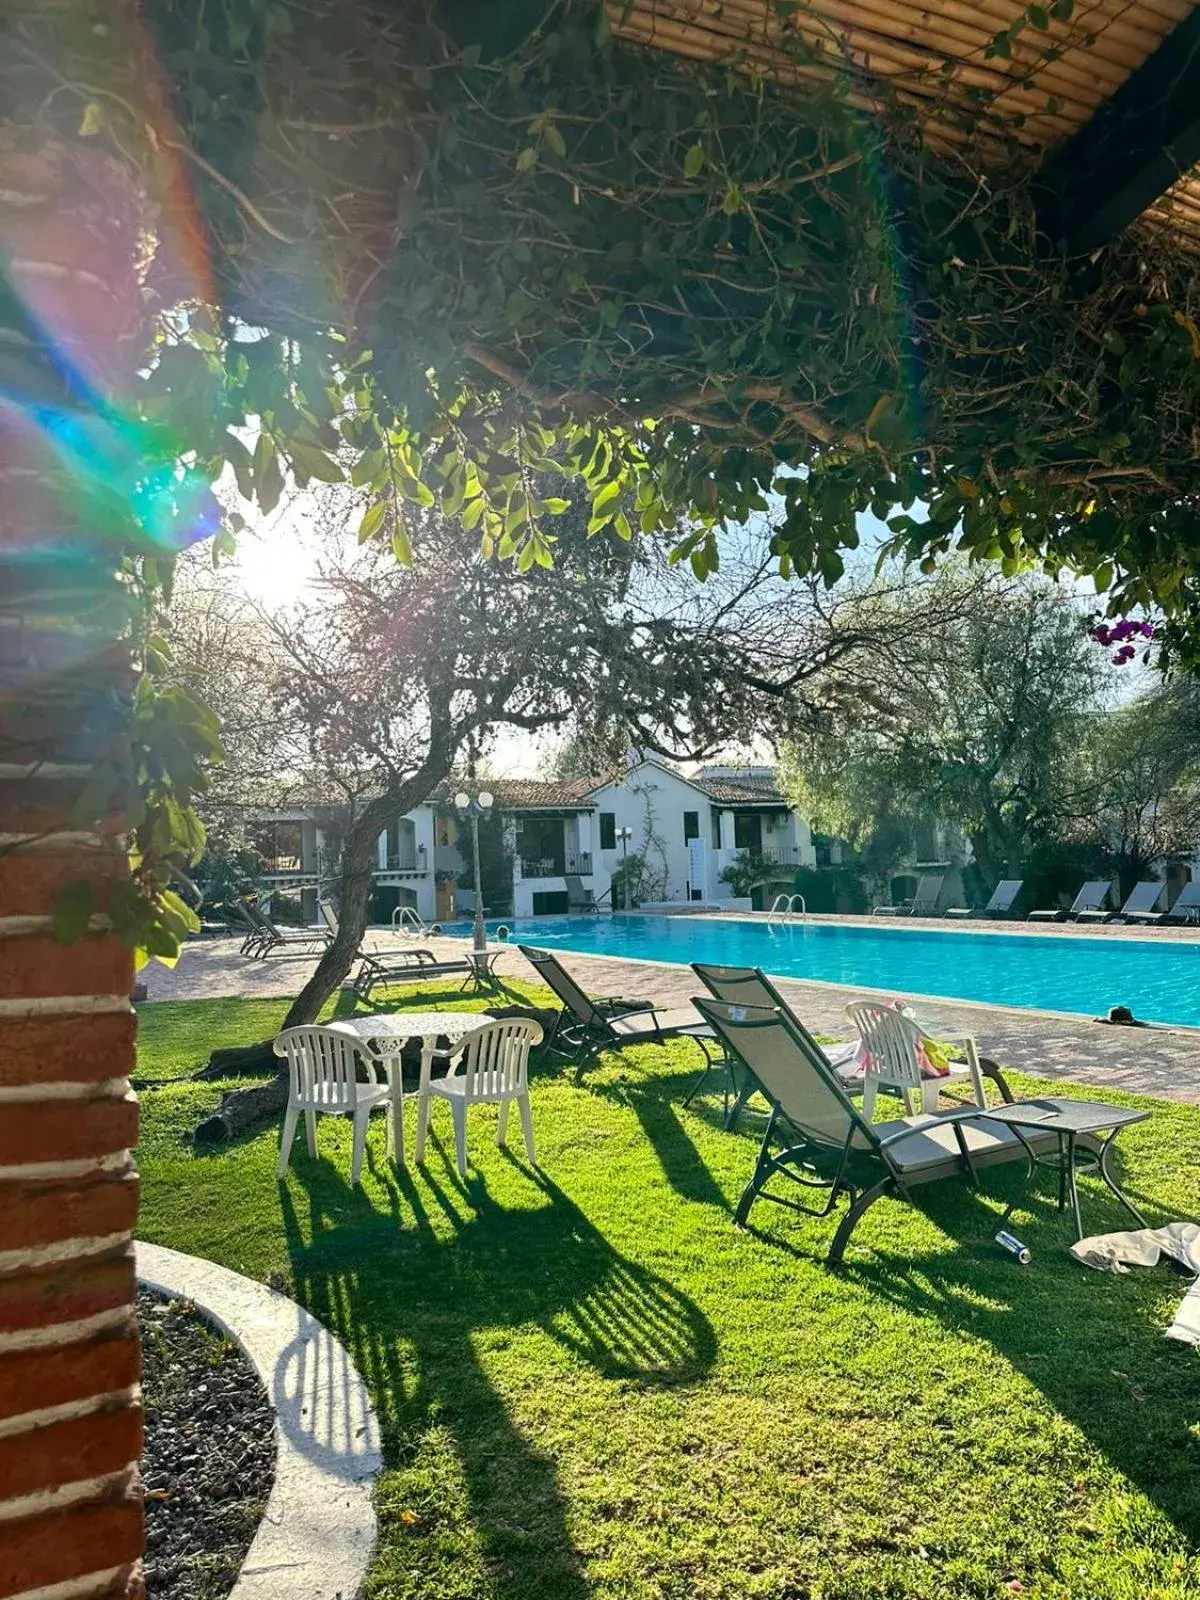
(243,1107)
(355,885)
(70,1497)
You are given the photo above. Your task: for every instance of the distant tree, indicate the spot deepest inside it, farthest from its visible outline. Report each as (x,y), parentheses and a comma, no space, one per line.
(977,717)
(1140,801)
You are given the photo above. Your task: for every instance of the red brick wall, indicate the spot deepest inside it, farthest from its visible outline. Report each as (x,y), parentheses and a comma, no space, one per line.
(70,1404)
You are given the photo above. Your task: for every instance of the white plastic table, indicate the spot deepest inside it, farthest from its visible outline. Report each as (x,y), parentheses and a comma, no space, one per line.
(385,1037)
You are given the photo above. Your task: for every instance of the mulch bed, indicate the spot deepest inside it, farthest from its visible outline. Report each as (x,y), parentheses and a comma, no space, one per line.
(209,1458)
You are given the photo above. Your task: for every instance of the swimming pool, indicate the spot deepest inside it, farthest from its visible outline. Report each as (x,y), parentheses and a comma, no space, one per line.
(1158,979)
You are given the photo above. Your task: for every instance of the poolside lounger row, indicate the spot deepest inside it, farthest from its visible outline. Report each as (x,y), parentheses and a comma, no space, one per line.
(1145,904)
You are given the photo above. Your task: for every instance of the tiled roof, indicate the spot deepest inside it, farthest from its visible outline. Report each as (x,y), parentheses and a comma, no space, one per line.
(740,791)
(528,794)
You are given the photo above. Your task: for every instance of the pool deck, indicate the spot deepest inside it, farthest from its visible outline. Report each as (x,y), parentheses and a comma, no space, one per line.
(1160,1061)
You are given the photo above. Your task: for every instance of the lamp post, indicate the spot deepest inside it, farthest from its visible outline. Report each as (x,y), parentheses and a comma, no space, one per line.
(625,834)
(476,806)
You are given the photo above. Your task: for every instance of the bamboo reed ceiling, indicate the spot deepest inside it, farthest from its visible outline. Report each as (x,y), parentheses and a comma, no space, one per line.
(935,55)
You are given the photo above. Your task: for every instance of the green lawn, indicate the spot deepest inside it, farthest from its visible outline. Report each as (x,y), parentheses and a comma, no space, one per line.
(591,1384)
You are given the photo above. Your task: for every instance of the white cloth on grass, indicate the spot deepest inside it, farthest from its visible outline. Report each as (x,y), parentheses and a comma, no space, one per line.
(1142,1247)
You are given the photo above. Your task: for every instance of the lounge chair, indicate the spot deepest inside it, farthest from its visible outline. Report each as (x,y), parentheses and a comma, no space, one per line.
(749,986)
(1089,899)
(333,923)
(1144,903)
(579,898)
(1187,904)
(585,1026)
(1099,912)
(1004,897)
(923,904)
(270,938)
(818,1140)
(405,966)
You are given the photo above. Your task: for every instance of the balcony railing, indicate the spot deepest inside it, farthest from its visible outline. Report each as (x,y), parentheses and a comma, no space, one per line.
(578,862)
(779,855)
(405,863)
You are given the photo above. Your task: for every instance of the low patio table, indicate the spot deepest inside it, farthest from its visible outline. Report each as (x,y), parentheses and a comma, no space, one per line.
(483,967)
(1069,1120)
(385,1037)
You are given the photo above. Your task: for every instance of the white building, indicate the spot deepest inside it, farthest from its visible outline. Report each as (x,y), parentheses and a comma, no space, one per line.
(688,829)
(564,839)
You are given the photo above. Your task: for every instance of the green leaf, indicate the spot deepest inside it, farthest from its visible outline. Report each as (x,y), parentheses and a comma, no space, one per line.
(527,158)
(373,520)
(555,140)
(178,915)
(72,912)
(1062,10)
(693,161)
(95,799)
(401,544)
(454,495)
(605,497)
(555,507)
(1040,18)
(369,468)
(270,486)
(475,510)
(316,464)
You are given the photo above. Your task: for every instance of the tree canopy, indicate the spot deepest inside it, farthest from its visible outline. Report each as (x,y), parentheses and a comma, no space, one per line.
(454,263)
(985,729)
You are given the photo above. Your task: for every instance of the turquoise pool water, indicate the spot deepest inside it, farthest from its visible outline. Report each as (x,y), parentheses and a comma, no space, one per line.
(1158,979)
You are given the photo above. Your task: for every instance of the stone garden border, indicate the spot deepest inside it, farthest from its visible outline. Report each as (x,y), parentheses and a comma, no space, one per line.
(319,1531)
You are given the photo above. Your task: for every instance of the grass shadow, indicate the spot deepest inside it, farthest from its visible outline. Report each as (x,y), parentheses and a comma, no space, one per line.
(411,1305)
(1091,1343)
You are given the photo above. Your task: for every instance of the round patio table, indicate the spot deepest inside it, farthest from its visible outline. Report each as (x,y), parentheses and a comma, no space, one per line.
(385,1037)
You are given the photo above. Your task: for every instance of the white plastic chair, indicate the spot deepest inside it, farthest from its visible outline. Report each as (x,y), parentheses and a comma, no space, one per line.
(491,1064)
(323,1069)
(892,1039)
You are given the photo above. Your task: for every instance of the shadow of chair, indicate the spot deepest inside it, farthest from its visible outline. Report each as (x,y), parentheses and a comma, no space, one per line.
(410,1303)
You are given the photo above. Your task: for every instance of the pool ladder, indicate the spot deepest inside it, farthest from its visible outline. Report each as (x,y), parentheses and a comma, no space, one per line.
(406,920)
(784,909)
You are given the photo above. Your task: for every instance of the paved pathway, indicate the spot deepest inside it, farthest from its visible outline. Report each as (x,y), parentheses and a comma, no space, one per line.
(1156,1061)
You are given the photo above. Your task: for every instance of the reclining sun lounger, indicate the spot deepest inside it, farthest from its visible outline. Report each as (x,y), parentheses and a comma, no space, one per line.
(585,1026)
(1004,897)
(1187,904)
(749,986)
(924,902)
(1145,904)
(817,1140)
(266,937)
(1089,900)
(404,966)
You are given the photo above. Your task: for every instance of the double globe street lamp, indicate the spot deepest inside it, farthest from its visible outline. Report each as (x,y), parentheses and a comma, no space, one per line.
(476,806)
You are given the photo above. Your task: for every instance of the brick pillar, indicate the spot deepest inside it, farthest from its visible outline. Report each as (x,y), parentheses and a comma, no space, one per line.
(70,1410)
